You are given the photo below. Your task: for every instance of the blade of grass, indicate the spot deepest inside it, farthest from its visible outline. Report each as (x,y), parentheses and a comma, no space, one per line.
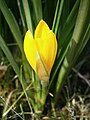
(83,42)
(28,15)
(23,82)
(9,56)
(69,24)
(22,111)
(7,104)
(65,13)
(22,14)
(12,23)
(85,39)
(57,16)
(37,6)
(0,23)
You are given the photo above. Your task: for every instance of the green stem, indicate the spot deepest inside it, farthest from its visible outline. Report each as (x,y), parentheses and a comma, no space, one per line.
(44,95)
(39,107)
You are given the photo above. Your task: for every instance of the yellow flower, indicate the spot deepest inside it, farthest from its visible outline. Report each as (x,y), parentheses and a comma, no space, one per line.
(41,50)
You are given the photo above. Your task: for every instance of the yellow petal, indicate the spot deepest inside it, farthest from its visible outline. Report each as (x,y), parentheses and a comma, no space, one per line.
(30,49)
(47,49)
(42,30)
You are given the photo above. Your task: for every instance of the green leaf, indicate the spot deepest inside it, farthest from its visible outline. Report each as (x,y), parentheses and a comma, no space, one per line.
(12,23)
(22,14)
(57,17)
(80,29)
(27,15)
(9,56)
(37,6)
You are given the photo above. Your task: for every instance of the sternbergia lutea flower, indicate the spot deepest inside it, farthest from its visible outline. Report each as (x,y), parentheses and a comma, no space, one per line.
(41,50)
